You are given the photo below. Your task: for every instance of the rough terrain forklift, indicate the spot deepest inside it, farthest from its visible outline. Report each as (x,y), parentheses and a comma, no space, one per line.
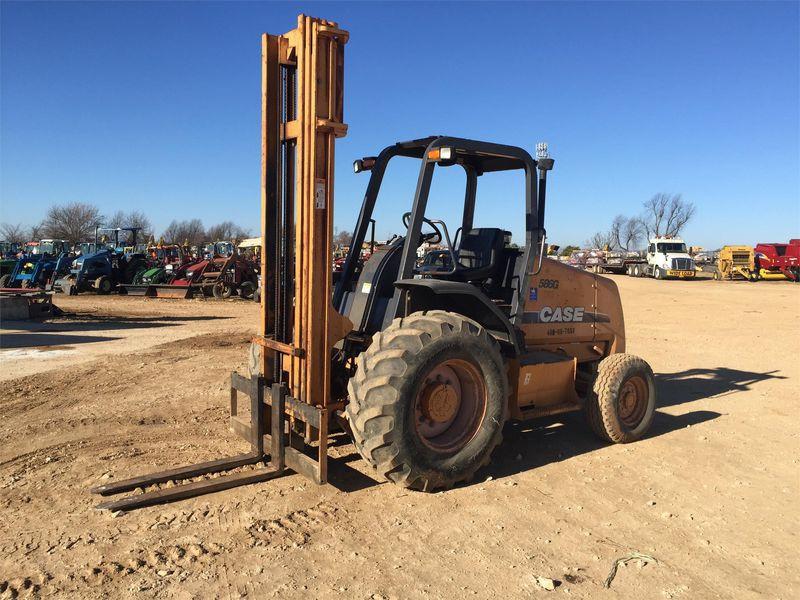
(422,372)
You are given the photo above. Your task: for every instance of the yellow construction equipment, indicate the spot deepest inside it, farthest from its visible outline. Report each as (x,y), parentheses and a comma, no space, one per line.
(736,262)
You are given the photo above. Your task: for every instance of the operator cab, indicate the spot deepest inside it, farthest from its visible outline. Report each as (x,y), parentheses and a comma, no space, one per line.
(480,274)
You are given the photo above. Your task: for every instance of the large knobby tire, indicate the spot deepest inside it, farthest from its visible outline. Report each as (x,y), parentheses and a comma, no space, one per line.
(4,280)
(428,401)
(621,405)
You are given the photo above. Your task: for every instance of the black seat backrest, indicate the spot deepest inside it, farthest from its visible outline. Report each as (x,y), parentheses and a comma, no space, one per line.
(480,247)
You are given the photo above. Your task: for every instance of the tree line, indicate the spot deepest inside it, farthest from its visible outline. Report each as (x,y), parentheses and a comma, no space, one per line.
(76,222)
(663,215)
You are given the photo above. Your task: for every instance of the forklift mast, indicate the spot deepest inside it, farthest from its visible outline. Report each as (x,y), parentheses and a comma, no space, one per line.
(302,115)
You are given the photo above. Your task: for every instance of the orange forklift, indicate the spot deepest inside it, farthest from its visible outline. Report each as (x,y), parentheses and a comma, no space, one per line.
(422,373)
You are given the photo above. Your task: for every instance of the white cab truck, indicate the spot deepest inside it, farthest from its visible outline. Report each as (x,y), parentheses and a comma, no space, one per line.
(667,257)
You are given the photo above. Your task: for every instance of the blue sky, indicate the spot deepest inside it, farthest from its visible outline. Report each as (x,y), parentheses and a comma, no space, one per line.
(155,106)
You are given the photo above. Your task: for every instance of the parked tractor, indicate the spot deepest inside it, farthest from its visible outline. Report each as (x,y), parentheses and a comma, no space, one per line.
(103,271)
(163,266)
(736,262)
(778,260)
(8,257)
(48,259)
(221,277)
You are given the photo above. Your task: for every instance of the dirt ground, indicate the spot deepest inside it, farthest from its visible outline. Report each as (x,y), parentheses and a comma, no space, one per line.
(124,386)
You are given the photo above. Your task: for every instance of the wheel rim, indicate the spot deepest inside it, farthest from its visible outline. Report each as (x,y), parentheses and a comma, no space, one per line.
(450,405)
(633,398)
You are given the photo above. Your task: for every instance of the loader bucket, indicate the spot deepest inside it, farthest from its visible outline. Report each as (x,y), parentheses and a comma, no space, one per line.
(171,291)
(65,285)
(138,290)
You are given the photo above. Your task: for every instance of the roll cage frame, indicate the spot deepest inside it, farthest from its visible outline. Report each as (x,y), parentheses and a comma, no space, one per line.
(476,158)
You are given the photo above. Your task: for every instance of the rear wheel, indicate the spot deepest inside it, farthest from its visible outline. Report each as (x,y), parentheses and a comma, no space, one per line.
(103,285)
(621,405)
(247,289)
(428,401)
(4,280)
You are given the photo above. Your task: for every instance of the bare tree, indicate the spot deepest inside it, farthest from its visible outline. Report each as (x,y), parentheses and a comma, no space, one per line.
(227,230)
(615,233)
(342,237)
(118,219)
(74,222)
(134,218)
(666,215)
(12,232)
(601,240)
(626,232)
(35,232)
(179,232)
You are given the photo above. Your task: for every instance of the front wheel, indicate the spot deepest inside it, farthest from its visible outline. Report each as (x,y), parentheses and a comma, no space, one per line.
(658,273)
(622,402)
(428,401)
(4,280)
(222,290)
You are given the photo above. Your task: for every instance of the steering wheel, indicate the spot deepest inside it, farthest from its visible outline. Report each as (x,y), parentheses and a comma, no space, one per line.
(433,237)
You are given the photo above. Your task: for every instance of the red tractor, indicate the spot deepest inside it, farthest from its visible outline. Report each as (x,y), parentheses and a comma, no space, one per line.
(220,276)
(773,260)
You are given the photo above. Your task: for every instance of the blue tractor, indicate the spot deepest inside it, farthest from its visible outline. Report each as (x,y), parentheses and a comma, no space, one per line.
(115,262)
(39,266)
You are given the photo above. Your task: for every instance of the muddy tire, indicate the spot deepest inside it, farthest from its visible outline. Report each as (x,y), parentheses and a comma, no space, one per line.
(621,405)
(428,401)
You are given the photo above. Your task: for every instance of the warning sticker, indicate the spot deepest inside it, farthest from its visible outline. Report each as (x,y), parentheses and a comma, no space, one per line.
(319,194)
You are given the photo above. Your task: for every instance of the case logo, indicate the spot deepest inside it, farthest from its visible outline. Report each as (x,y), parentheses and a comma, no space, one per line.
(559,314)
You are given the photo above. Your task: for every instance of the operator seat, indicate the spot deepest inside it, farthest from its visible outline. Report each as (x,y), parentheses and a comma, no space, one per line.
(479,256)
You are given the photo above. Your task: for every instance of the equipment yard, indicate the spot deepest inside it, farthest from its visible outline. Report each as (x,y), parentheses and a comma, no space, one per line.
(120,386)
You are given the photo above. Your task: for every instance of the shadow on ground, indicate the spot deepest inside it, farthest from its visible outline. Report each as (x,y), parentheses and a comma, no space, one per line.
(697,384)
(9,341)
(70,323)
(536,443)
